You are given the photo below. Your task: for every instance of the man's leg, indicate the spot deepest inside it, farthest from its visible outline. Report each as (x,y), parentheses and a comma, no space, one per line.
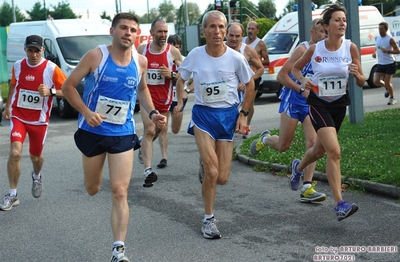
(388,85)
(93,172)
(14,164)
(148,137)
(310,135)
(287,128)
(224,150)
(163,140)
(176,122)
(120,166)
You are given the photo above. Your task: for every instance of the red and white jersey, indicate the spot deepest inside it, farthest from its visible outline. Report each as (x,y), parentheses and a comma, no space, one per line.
(160,87)
(26,103)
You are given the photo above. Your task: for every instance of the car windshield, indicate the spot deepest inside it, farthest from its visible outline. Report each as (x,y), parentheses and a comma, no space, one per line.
(74,47)
(279,43)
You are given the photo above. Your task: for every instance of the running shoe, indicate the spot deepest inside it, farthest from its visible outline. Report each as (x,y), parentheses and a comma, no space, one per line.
(163,163)
(295,176)
(386,93)
(36,187)
(201,171)
(344,209)
(149,178)
(9,202)
(258,144)
(118,254)
(210,230)
(392,101)
(140,151)
(310,195)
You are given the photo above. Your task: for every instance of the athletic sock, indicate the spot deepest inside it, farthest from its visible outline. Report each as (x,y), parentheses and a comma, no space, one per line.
(12,192)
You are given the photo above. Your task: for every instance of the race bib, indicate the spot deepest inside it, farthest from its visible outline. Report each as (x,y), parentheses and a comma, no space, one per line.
(115,110)
(214,92)
(174,96)
(332,85)
(30,99)
(154,77)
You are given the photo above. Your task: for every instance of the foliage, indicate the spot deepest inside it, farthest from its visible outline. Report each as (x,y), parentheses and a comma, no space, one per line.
(268,8)
(193,13)
(60,11)
(264,24)
(6,14)
(167,11)
(104,15)
(369,151)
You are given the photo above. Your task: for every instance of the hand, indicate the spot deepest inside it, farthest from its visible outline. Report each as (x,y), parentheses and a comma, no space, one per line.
(353,69)
(159,120)
(94,119)
(241,87)
(374,55)
(6,113)
(43,90)
(241,125)
(307,84)
(164,71)
(178,108)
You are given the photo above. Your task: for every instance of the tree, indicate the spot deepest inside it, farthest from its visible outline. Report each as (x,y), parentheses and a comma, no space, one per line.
(104,15)
(268,8)
(6,15)
(38,12)
(193,14)
(63,11)
(147,18)
(167,11)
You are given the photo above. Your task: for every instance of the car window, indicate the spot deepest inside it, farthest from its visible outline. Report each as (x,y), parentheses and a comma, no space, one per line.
(280,43)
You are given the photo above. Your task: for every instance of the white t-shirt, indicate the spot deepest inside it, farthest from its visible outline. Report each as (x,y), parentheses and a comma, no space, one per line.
(216,79)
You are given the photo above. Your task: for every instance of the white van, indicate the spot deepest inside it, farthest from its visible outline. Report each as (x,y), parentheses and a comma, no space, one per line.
(283,38)
(65,40)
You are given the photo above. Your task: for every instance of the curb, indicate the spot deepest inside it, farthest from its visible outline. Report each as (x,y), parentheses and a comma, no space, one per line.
(372,187)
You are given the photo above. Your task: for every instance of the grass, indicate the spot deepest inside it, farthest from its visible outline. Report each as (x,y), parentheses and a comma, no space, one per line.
(369,151)
(4,91)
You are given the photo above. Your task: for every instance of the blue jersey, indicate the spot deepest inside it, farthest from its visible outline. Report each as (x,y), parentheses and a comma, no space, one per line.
(111,90)
(291,96)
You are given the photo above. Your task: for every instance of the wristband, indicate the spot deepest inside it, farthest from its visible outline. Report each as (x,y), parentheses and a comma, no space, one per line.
(155,111)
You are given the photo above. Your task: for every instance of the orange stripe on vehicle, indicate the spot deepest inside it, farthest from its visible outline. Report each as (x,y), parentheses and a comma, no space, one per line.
(367,50)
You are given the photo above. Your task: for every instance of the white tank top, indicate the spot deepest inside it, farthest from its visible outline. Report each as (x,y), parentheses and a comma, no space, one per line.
(331,70)
(383,58)
(254,44)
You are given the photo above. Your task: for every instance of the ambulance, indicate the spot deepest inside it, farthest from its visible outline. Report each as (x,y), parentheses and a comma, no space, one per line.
(283,38)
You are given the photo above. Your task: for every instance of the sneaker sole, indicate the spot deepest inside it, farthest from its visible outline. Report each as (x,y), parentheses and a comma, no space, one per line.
(290,178)
(253,149)
(354,209)
(207,236)
(150,179)
(315,199)
(15,204)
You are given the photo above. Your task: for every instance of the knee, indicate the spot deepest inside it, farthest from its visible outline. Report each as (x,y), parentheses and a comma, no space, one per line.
(36,159)
(119,193)
(222,180)
(92,190)
(334,154)
(15,154)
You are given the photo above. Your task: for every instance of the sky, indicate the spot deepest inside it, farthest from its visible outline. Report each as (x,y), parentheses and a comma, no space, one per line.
(92,8)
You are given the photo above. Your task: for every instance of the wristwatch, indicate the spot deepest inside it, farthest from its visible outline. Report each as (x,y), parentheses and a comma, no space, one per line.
(173,75)
(53,91)
(187,90)
(302,90)
(244,112)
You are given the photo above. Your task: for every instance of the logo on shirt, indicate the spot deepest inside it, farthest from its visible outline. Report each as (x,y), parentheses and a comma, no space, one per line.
(331,59)
(318,59)
(110,79)
(121,70)
(154,65)
(30,78)
(16,134)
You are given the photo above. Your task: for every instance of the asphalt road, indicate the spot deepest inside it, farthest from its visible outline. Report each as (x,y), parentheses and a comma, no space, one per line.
(259,217)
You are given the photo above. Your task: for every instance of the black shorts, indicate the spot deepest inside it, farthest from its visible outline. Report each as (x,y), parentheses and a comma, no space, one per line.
(389,69)
(257,83)
(327,116)
(91,144)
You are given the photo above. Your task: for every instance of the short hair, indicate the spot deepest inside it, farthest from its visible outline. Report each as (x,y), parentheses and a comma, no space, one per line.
(257,26)
(235,23)
(214,13)
(385,25)
(315,22)
(153,24)
(118,17)
(174,40)
(327,13)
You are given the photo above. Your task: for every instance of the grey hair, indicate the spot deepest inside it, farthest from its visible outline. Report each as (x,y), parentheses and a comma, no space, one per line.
(213,13)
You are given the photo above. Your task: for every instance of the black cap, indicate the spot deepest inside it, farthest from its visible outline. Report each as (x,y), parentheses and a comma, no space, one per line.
(34,41)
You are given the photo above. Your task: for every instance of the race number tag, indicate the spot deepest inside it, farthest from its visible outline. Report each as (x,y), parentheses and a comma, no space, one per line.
(30,99)
(214,92)
(154,77)
(174,96)
(115,110)
(332,85)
